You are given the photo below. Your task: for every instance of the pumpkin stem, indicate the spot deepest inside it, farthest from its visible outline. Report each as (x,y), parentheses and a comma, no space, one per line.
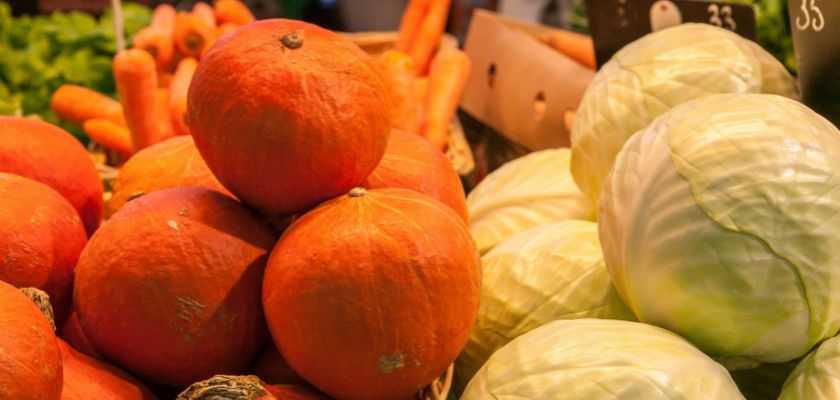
(240,387)
(292,40)
(42,300)
(357,192)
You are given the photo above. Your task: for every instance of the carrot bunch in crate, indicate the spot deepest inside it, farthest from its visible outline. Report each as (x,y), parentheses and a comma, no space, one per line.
(424,80)
(152,78)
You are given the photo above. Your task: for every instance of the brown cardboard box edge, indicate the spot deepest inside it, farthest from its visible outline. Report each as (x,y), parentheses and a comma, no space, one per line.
(525,71)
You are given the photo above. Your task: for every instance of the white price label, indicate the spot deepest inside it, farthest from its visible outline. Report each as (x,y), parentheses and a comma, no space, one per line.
(811,17)
(722,16)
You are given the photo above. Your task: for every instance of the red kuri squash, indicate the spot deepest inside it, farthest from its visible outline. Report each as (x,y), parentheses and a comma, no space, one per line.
(172,163)
(287,114)
(86,378)
(72,334)
(46,153)
(41,237)
(30,362)
(245,387)
(273,369)
(169,287)
(373,294)
(411,162)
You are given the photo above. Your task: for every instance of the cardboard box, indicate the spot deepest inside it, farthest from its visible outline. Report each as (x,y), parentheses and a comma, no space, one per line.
(519,86)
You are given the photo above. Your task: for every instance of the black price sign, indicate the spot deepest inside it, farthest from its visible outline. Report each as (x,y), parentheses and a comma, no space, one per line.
(615,23)
(816,38)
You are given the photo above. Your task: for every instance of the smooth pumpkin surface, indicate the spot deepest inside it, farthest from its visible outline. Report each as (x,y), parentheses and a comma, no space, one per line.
(30,362)
(172,163)
(72,334)
(41,237)
(87,378)
(273,369)
(373,294)
(48,154)
(411,162)
(287,114)
(169,287)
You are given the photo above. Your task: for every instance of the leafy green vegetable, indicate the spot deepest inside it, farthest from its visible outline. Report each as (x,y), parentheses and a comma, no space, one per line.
(718,223)
(38,54)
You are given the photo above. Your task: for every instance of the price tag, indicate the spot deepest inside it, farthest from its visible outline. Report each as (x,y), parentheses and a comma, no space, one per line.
(816,39)
(615,23)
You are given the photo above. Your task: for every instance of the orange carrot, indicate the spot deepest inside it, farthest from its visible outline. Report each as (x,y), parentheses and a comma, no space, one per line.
(109,134)
(574,45)
(397,71)
(205,11)
(78,104)
(136,79)
(164,78)
(421,91)
(449,72)
(157,42)
(162,114)
(164,18)
(225,28)
(429,34)
(192,34)
(178,94)
(232,11)
(410,24)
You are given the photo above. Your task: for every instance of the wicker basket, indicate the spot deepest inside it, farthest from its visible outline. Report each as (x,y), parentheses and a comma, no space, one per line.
(439,388)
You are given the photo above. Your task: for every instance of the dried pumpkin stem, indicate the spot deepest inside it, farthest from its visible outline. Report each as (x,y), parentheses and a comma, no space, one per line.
(292,40)
(244,387)
(42,300)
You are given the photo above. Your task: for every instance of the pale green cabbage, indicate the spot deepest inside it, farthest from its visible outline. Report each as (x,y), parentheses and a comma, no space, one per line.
(600,359)
(532,190)
(655,73)
(550,272)
(817,376)
(721,222)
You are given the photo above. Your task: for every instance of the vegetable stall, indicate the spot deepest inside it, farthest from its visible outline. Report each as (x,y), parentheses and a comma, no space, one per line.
(244,208)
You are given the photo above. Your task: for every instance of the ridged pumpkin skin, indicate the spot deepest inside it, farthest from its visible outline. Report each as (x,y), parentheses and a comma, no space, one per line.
(30,362)
(175,162)
(41,237)
(373,294)
(287,114)
(86,378)
(48,154)
(169,287)
(411,162)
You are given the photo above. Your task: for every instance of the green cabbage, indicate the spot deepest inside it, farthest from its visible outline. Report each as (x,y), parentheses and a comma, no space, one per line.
(550,272)
(532,190)
(817,376)
(595,359)
(655,73)
(721,222)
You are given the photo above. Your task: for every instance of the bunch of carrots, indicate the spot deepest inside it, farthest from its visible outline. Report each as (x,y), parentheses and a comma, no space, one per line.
(152,78)
(424,83)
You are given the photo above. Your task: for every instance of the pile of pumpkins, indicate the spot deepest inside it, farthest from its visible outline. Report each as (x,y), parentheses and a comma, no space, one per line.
(293,236)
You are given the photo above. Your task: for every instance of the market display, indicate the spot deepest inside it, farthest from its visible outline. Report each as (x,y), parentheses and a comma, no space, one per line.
(268,209)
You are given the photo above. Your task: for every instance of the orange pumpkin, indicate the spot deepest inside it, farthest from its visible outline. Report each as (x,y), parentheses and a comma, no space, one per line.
(30,362)
(373,294)
(245,387)
(86,378)
(169,287)
(287,114)
(172,163)
(72,334)
(273,369)
(41,237)
(46,153)
(411,162)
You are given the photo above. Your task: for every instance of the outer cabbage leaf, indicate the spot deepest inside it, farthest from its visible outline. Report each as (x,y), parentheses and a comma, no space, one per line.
(817,376)
(547,273)
(532,190)
(595,359)
(720,222)
(655,73)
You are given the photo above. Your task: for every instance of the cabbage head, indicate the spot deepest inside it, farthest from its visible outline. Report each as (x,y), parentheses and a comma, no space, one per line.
(529,191)
(550,272)
(817,376)
(721,222)
(655,73)
(600,359)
